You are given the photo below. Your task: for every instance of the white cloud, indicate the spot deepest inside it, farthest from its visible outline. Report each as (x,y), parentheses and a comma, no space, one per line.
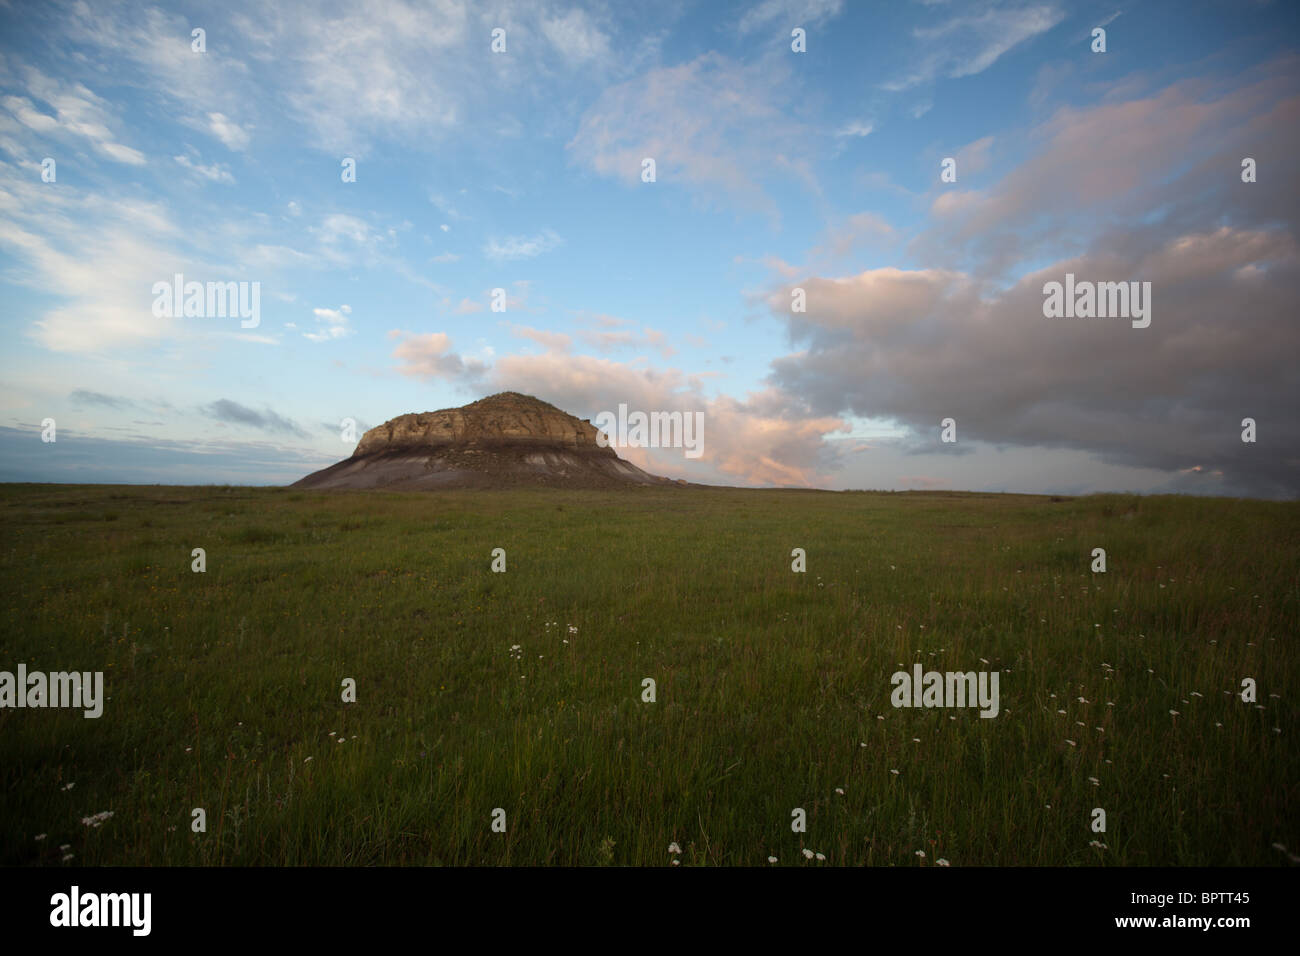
(522,247)
(76,114)
(123,154)
(789,14)
(444,205)
(710,124)
(216,172)
(234,136)
(574,35)
(334,322)
(969,43)
(343,75)
(102,275)
(855,128)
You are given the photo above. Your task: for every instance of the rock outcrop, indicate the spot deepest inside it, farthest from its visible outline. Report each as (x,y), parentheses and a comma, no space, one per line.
(502,441)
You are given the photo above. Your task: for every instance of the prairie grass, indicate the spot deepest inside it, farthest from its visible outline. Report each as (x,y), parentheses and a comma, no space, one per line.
(773,688)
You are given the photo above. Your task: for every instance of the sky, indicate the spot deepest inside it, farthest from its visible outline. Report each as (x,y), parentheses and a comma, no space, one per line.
(916,172)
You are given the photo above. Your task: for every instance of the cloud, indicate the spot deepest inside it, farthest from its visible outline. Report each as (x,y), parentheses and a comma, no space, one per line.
(1143,189)
(855,128)
(83,397)
(102,275)
(351,73)
(970,42)
(764,439)
(334,429)
(551,341)
(522,247)
(334,322)
(624,338)
(768,438)
(150,48)
(346,240)
(1177,151)
(416,71)
(710,124)
(788,14)
(444,205)
(430,357)
(861,229)
(608,321)
(974,157)
(76,115)
(216,173)
(918,346)
(79,458)
(123,154)
(234,136)
(339,227)
(225,410)
(574,34)
(348,78)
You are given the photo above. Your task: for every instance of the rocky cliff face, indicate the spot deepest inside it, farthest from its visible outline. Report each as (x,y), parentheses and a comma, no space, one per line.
(502,441)
(507,417)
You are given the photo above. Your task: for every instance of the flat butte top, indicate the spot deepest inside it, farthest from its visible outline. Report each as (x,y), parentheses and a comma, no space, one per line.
(507,417)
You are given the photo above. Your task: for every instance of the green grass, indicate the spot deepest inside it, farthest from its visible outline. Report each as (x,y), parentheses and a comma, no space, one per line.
(773,688)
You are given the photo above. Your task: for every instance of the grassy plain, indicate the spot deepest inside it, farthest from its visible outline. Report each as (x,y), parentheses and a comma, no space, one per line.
(1118,690)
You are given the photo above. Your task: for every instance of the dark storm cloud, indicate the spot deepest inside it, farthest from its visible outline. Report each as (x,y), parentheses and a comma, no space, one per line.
(1166,206)
(83,397)
(227,411)
(82,458)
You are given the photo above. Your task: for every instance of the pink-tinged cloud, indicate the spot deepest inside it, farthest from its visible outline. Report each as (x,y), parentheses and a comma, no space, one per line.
(648,338)
(924,345)
(551,341)
(763,440)
(1140,190)
(430,357)
(1177,148)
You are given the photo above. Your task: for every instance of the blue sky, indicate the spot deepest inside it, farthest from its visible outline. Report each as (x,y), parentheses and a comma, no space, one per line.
(521,171)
